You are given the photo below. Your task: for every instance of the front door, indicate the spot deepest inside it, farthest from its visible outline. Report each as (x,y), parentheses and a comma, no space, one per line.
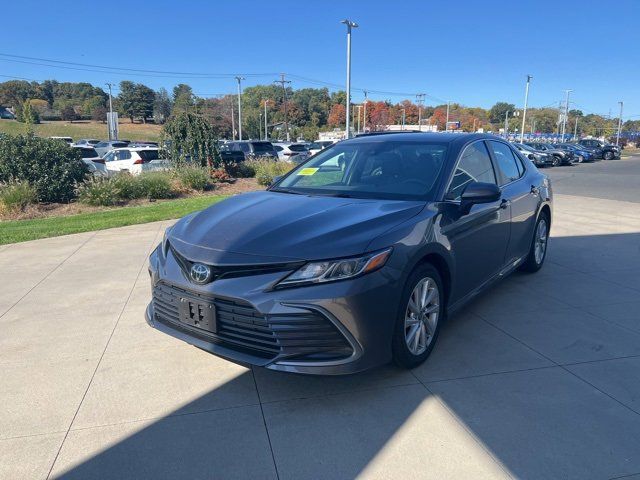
(478,238)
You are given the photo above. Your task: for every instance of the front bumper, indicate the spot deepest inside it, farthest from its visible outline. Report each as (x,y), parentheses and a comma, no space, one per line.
(353,319)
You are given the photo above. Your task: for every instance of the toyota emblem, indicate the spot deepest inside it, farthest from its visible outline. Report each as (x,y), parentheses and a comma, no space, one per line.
(200,273)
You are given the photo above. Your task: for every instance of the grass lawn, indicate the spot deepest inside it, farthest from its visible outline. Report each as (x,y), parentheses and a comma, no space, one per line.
(85,129)
(13,231)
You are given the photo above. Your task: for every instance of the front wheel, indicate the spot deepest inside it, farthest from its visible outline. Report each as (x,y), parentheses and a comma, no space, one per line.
(556,161)
(419,317)
(538,250)
(608,155)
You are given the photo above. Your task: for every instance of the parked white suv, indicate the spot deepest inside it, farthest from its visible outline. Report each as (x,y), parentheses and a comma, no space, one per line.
(288,150)
(133,160)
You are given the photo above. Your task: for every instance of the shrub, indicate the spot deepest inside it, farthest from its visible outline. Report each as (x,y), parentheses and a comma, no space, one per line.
(99,192)
(240,170)
(156,184)
(128,186)
(16,196)
(193,178)
(267,170)
(50,166)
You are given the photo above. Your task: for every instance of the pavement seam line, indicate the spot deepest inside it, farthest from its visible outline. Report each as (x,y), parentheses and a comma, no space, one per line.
(563,368)
(124,306)
(48,274)
(264,422)
(463,426)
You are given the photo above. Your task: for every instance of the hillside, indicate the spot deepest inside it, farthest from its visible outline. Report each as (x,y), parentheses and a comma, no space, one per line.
(85,129)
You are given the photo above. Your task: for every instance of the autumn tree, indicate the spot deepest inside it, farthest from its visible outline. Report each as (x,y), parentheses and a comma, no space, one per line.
(337,116)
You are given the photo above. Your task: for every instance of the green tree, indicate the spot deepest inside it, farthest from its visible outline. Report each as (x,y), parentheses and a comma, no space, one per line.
(29,114)
(498,111)
(135,100)
(93,104)
(161,106)
(187,137)
(183,99)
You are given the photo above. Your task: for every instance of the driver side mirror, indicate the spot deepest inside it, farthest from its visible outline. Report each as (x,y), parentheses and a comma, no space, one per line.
(479,192)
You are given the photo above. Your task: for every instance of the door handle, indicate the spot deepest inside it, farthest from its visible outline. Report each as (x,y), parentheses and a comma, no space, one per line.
(505,203)
(535,190)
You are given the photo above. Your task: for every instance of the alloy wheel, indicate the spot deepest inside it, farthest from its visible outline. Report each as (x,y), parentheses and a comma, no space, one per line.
(421,317)
(540,246)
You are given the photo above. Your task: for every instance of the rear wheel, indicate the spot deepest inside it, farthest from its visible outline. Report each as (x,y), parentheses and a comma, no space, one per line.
(538,249)
(419,318)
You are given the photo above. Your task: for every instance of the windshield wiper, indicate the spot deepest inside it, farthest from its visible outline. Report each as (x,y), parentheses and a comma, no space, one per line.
(286,190)
(337,195)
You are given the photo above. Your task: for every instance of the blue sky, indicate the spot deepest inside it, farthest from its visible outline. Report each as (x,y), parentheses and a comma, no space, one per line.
(471,52)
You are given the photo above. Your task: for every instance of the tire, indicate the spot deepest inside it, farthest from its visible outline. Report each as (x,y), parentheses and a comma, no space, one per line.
(534,261)
(608,155)
(556,161)
(427,325)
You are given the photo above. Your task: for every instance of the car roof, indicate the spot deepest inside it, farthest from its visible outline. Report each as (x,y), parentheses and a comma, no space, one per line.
(413,136)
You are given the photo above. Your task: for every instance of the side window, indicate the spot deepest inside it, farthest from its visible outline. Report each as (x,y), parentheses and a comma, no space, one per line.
(109,157)
(508,164)
(125,155)
(245,147)
(474,166)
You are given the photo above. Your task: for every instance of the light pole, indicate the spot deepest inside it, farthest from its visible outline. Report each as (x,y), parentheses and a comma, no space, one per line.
(265,120)
(260,125)
(359,107)
(239,79)
(524,112)
(575,131)
(619,124)
(404,116)
(110,109)
(349,25)
(364,117)
(566,113)
(419,101)
(446,125)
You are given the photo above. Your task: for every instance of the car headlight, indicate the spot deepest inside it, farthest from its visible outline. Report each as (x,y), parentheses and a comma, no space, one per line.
(332,270)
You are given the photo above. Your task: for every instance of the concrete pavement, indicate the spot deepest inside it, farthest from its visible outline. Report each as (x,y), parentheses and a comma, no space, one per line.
(538,378)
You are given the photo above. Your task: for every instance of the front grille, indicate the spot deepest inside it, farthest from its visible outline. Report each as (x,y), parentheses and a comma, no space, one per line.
(307,336)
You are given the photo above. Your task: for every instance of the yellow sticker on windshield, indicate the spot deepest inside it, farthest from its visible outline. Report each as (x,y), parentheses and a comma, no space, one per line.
(307,171)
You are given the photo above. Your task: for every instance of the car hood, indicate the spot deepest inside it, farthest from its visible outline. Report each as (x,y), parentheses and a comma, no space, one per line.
(270,227)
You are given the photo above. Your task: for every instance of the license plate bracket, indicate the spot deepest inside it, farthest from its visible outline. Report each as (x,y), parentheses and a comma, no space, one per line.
(198,314)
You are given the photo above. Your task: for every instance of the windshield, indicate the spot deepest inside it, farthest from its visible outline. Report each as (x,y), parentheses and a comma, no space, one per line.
(386,170)
(262,147)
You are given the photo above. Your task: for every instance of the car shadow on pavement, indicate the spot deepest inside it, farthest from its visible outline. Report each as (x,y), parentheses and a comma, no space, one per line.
(537,378)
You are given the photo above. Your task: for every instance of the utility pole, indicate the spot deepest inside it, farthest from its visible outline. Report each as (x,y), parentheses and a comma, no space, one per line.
(566,113)
(575,131)
(239,79)
(524,112)
(260,125)
(110,109)
(233,122)
(266,136)
(619,124)
(559,118)
(506,125)
(419,101)
(359,107)
(283,82)
(446,125)
(474,125)
(364,117)
(349,25)
(404,116)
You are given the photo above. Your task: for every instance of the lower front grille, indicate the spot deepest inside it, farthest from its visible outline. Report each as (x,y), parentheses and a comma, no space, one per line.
(303,337)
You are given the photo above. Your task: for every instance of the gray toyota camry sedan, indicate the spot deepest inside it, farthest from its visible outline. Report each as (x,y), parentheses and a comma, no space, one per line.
(355,257)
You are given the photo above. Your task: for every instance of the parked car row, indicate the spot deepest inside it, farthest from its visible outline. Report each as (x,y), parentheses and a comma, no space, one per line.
(295,152)
(544,154)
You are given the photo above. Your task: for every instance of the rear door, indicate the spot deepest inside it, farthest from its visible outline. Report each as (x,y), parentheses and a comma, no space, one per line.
(523,196)
(480,237)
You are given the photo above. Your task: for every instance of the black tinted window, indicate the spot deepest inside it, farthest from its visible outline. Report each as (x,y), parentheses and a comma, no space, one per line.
(297,148)
(262,147)
(474,166)
(508,164)
(148,155)
(88,153)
